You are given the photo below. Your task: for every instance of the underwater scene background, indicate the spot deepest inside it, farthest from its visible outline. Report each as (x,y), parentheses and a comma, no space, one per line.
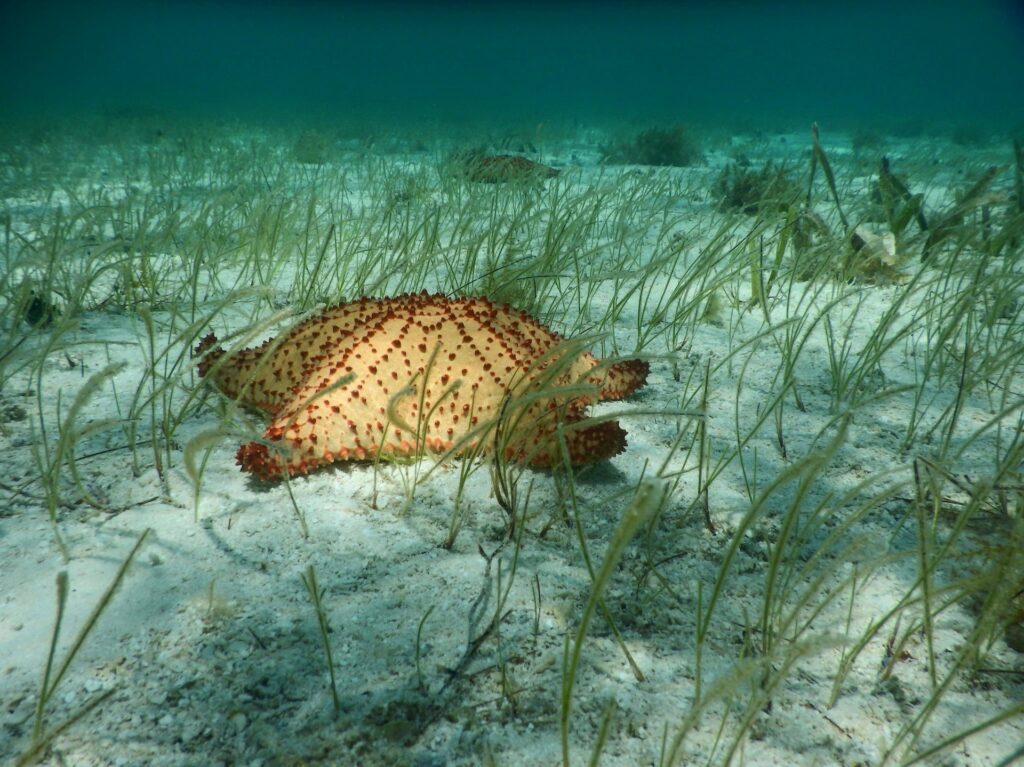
(512,383)
(750,62)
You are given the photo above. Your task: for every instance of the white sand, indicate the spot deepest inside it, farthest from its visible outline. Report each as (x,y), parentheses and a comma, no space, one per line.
(212,648)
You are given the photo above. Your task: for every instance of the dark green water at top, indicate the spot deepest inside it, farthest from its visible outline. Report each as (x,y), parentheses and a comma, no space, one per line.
(743,62)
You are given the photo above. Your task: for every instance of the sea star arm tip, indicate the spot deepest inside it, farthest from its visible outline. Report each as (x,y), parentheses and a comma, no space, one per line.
(209,351)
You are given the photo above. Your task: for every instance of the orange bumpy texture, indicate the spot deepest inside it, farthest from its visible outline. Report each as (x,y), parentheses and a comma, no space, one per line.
(420,373)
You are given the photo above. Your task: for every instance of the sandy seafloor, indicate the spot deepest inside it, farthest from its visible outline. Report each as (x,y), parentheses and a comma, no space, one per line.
(212,649)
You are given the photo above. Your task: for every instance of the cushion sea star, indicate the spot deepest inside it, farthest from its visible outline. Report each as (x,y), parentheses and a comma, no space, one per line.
(501,168)
(401,376)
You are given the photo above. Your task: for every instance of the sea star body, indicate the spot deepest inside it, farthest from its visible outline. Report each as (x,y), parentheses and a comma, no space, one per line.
(420,373)
(501,168)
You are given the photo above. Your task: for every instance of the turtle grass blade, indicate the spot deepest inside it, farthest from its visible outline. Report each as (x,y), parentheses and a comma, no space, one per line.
(892,188)
(1018,173)
(952,219)
(650,496)
(818,157)
(52,680)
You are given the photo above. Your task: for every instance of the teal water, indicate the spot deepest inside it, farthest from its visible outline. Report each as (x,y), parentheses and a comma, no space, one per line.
(866,61)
